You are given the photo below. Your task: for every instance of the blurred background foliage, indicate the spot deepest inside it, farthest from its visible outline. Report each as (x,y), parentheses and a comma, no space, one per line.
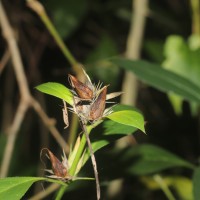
(93,31)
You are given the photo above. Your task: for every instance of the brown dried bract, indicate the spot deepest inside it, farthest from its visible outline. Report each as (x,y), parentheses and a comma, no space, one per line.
(98,106)
(83,91)
(59,170)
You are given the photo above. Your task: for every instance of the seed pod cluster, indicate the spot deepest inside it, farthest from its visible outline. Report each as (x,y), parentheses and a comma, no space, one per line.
(89,101)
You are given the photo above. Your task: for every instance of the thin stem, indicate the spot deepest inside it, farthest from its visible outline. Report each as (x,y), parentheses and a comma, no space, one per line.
(73,129)
(26,100)
(46,192)
(164,187)
(21,111)
(79,153)
(50,124)
(39,9)
(72,170)
(134,43)
(61,193)
(4,60)
(195,17)
(94,163)
(80,150)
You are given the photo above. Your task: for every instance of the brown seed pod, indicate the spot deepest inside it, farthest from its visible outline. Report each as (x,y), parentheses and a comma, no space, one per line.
(98,106)
(83,91)
(58,168)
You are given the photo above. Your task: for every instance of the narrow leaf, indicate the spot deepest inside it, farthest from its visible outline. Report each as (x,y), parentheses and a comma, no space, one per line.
(160,78)
(56,90)
(151,159)
(15,187)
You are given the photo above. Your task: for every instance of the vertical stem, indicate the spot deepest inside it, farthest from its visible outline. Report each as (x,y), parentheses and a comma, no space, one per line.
(72,170)
(73,130)
(94,163)
(164,187)
(134,42)
(195,17)
(39,9)
(8,152)
(57,38)
(61,193)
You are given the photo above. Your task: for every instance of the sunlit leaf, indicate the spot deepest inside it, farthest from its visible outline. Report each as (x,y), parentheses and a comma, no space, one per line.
(183,60)
(56,90)
(112,127)
(15,187)
(129,118)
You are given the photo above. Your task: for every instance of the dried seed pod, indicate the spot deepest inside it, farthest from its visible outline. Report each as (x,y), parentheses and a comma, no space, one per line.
(98,106)
(83,91)
(59,170)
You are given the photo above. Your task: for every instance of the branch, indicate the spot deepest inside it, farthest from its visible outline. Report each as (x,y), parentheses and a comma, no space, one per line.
(4,60)
(134,42)
(37,7)
(52,188)
(22,108)
(26,99)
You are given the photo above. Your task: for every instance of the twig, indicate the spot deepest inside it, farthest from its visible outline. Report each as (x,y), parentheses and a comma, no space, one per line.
(22,108)
(52,188)
(7,110)
(50,123)
(94,163)
(39,9)
(195,4)
(26,99)
(129,86)
(4,60)
(134,42)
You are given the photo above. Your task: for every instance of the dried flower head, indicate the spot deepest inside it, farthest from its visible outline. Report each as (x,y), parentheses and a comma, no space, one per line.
(59,169)
(90,99)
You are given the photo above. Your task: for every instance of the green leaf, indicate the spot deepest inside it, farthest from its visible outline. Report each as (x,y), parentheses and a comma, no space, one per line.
(160,78)
(148,159)
(182,60)
(56,90)
(113,128)
(15,187)
(110,131)
(196,184)
(129,118)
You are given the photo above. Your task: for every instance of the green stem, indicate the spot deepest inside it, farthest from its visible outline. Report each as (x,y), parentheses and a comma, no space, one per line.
(78,156)
(195,17)
(60,193)
(57,38)
(164,187)
(73,130)
(72,170)
(39,9)
(79,153)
